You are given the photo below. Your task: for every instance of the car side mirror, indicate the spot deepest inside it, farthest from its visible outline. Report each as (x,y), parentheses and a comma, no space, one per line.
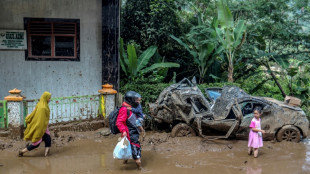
(267,109)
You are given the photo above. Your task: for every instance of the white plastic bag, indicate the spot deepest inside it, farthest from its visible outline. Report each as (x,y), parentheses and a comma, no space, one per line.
(260,134)
(122,150)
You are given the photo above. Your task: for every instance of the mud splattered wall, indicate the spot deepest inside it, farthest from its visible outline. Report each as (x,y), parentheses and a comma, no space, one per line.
(61,78)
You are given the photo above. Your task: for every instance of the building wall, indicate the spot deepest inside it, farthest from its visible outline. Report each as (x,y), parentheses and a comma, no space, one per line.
(61,78)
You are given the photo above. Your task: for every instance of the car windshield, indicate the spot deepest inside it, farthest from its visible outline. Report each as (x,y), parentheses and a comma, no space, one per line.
(213,94)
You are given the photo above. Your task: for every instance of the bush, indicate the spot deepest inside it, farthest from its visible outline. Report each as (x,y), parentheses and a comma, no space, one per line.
(258,86)
(149,92)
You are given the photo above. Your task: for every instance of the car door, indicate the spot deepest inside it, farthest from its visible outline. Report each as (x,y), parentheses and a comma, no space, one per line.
(226,126)
(243,130)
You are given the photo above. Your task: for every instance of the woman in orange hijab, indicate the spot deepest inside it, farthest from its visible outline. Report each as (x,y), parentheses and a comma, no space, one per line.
(37,122)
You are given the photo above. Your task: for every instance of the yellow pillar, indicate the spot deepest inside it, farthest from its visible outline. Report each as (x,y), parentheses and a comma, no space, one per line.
(107,99)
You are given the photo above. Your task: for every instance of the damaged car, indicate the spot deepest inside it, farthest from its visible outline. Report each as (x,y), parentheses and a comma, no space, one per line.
(225,112)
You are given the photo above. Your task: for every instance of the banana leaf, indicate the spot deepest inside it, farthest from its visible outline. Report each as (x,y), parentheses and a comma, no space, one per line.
(238,33)
(224,14)
(160,65)
(145,57)
(133,60)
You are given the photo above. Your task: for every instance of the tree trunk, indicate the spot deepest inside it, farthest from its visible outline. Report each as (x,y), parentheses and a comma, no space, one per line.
(276,80)
(278,84)
(201,80)
(230,72)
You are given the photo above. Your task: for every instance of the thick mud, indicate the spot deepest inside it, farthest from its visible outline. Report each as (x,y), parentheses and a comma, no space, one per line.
(91,153)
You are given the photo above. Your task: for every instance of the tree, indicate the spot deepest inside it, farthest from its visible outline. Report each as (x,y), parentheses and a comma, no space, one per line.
(201,45)
(150,22)
(276,34)
(230,36)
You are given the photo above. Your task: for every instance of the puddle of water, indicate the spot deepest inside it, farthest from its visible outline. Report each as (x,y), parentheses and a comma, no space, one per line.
(306,141)
(175,156)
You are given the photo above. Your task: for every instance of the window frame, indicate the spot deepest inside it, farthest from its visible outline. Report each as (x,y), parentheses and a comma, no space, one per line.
(52,21)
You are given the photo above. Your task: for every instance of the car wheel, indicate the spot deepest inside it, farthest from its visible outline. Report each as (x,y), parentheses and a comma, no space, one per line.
(182,130)
(288,133)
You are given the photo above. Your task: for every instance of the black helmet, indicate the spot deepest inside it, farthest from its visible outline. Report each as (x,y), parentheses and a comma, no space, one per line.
(131,98)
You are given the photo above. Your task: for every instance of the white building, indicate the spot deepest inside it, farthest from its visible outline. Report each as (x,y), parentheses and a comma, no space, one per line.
(71,46)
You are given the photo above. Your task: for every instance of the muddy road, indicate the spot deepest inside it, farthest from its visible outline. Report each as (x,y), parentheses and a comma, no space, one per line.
(91,153)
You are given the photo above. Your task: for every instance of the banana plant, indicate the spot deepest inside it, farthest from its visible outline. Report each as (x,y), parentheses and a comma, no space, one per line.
(201,44)
(230,36)
(132,65)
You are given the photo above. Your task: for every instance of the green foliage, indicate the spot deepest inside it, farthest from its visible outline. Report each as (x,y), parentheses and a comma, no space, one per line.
(201,45)
(261,85)
(224,14)
(139,19)
(230,36)
(276,28)
(277,36)
(150,22)
(132,65)
(298,81)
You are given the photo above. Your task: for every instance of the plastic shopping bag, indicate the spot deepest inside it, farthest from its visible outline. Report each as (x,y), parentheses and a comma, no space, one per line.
(259,133)
(122,150)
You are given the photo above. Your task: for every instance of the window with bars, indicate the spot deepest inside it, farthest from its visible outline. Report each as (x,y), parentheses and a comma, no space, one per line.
(52,39)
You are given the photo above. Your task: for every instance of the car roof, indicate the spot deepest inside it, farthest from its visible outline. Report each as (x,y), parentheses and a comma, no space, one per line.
(229,95)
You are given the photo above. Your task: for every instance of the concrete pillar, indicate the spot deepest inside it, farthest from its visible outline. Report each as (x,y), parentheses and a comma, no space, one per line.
(107,100)
(110,42)
(15,114)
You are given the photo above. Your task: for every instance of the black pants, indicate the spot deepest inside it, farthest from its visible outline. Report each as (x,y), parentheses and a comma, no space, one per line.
(136,152)
(47,140)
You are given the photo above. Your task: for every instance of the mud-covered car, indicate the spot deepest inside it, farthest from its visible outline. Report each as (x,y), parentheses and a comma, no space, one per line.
(225,112)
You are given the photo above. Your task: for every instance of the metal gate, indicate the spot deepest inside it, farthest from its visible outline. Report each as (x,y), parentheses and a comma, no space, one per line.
(65,109)
(3,114)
